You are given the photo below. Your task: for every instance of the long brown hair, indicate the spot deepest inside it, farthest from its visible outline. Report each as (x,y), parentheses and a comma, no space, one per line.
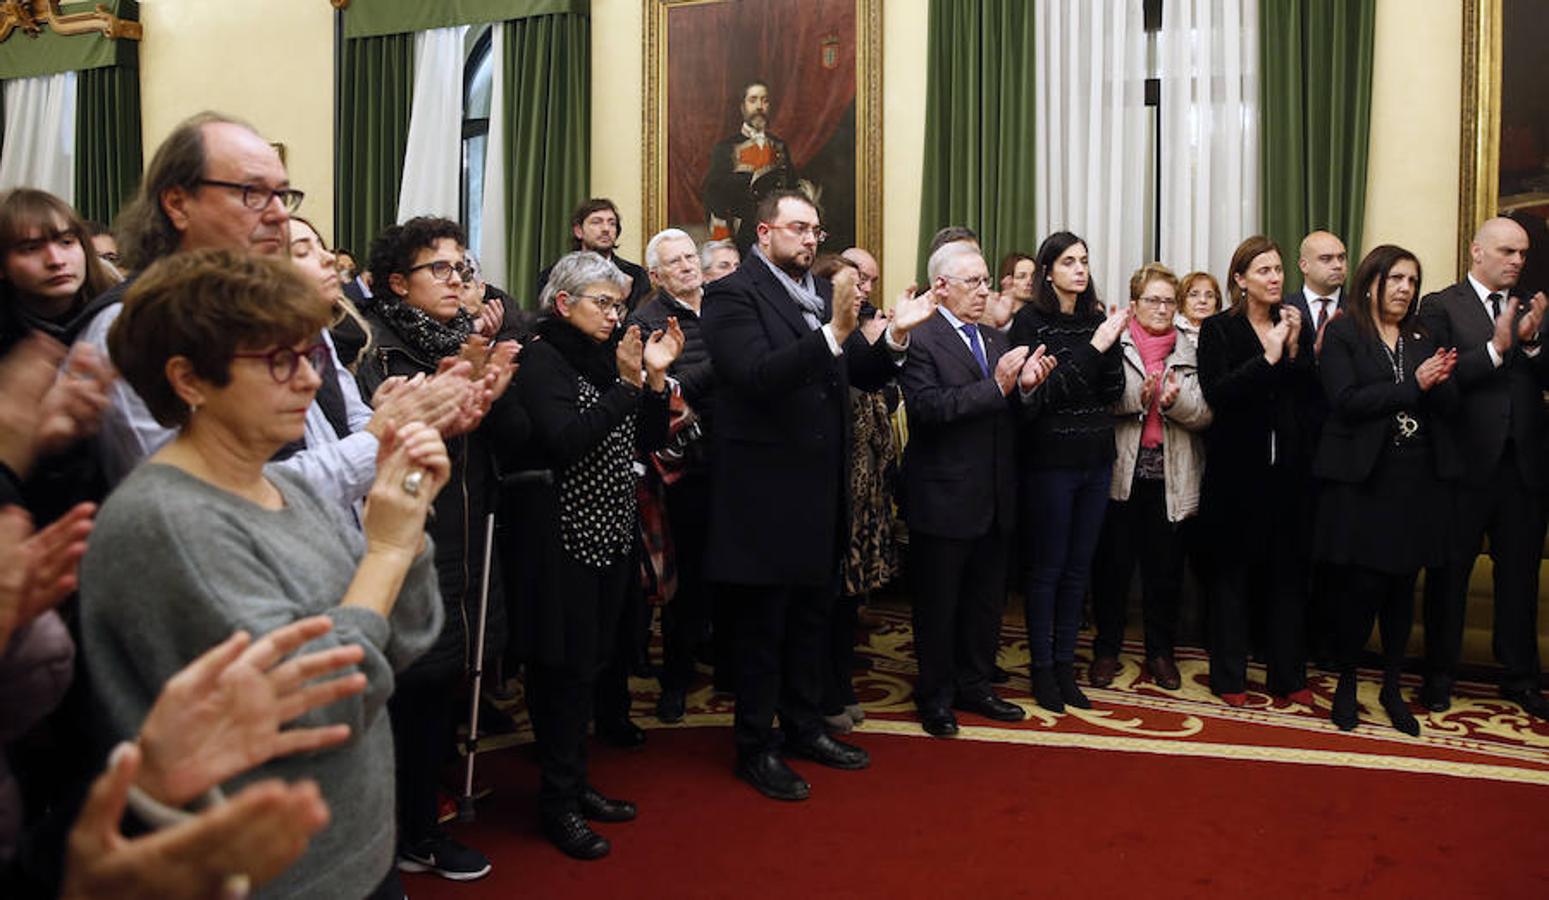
(343,307)
(26,210)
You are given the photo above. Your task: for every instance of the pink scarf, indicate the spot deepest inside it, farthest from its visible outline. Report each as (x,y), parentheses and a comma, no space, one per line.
(1154,350)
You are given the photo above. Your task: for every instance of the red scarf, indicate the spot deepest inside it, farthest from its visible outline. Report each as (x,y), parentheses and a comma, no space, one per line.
(1154,350)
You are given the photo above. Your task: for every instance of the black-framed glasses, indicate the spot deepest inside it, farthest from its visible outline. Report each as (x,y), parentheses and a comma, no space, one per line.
(442,271)
(284,362)
(800,230)
(257,197)
(606,304)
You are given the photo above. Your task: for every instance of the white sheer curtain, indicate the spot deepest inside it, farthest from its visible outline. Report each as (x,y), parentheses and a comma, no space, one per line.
(1091,133)
(40,135)
(1209,62)
(432,162)
(492,215)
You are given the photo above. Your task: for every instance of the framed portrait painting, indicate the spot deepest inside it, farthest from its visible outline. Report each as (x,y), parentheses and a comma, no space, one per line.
(744,97)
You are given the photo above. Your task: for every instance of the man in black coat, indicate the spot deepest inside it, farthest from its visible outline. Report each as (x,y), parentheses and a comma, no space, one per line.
(1500,431)
(595,225)
(786,350)
(961,388)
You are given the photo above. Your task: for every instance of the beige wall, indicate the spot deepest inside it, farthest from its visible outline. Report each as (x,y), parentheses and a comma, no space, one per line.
(1412,169)
(270,63)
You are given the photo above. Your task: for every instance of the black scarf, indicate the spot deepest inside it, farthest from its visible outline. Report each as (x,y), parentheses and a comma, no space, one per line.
(597,363)
(425,335)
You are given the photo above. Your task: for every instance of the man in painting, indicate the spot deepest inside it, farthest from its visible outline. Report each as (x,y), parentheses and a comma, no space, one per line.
(744,168)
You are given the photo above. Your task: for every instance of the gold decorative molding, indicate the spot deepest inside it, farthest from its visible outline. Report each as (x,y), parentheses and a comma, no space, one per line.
(1479,174)
(32,16)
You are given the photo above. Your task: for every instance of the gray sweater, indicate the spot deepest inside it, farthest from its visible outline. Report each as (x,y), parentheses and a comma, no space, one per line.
(175,565)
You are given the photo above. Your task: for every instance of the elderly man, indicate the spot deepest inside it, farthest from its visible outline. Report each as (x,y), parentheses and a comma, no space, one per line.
(215,182)
(717,259)
(1501,429)
(962,388)
(786,349)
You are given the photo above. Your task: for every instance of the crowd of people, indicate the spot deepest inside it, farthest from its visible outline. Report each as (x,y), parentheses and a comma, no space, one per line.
(267,513)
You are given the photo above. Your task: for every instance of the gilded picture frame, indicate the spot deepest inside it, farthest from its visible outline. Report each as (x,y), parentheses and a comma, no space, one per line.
(672,202)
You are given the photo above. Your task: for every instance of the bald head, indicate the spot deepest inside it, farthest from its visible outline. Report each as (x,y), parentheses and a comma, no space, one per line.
(1498,253)
(867,271)
(1323,263)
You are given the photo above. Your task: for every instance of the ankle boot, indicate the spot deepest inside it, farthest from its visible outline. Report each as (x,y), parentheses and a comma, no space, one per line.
(1397,708)
(1070,692)
(1046,691)
(1344,711)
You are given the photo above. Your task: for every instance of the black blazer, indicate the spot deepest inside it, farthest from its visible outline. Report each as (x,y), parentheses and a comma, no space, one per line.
(782,422)
(1357,378)
(1298,299)
(959,466)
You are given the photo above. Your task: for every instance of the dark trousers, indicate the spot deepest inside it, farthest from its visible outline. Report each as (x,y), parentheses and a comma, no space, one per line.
(1511,514)
(839,673)
(1277,584)
(559,698)
(959,596)
(686,619)
(1367,596)
(422,712)
(1066,507)
(1137,531)
(782,635)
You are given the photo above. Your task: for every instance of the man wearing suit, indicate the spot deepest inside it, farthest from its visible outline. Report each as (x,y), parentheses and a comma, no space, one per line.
(1323,264)
(1500,431)
(786,349)
(961,388)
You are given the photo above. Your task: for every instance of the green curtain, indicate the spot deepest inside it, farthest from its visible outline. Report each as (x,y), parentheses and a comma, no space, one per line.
(376,94)
(1316,70)
(547,72)
(979,125)
(107,140)
(370,18)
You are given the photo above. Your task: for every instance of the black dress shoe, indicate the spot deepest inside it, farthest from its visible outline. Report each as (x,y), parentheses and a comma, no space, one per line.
(570,833)
(1344,710)
(991,707)
(621,733)
(1531,701)
(938,722)
(671,705)
(1436,696)
(598,808)
(823,749)
(999,676)
(768,773)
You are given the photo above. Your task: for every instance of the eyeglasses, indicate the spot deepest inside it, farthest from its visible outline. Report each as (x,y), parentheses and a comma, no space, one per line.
(978,281)
(1157,301)
(800,230)
(284,361)
(441,270)
(606,304)
(257,197)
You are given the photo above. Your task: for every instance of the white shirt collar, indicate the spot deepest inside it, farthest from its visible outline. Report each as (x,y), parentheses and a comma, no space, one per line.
(758,137)
(1484,292)
(1312,297)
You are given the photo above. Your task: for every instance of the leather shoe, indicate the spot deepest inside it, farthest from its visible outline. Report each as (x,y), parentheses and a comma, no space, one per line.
(938,722)
(823,749)
(1164,672)
(570,833)
(999,676)
(598,808)
(1436,696)
(991,707)
(1103,669)
(1531,701)
(621,733)
(767,772)
(671,705)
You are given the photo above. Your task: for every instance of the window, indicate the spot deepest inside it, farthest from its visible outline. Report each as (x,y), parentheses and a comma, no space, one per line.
(478,75)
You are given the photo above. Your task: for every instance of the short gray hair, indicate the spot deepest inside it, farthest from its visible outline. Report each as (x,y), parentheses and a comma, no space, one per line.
(575,271)
(653,246)
(709,248)
(947,255)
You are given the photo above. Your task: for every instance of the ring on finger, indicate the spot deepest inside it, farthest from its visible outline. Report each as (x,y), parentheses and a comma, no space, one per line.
(412,481)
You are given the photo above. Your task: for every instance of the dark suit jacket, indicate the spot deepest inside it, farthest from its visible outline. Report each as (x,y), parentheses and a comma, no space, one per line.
(782,423)
(1357,378)
(1298,299)
(1497,403)
(959,466)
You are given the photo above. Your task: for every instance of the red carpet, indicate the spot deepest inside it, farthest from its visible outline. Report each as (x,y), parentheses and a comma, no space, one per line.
(966,818)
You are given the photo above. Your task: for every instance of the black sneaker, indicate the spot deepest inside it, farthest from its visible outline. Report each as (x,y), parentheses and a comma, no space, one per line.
(445,857)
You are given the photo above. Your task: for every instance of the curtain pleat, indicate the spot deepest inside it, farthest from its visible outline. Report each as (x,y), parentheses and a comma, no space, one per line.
(376,90)
(1317,75)
(979,138)
(547,137)
(107,140)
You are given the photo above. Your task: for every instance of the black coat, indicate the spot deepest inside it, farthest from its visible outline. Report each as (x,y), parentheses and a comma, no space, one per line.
(1363,398)
(458,517)
(779,490)
(1496,402)
(693,369)
(959,466)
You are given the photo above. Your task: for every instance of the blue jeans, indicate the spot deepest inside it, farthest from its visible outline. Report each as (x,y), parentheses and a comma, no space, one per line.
(1064,510)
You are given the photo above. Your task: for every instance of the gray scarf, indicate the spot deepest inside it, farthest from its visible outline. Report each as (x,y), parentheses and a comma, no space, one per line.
(804,292)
